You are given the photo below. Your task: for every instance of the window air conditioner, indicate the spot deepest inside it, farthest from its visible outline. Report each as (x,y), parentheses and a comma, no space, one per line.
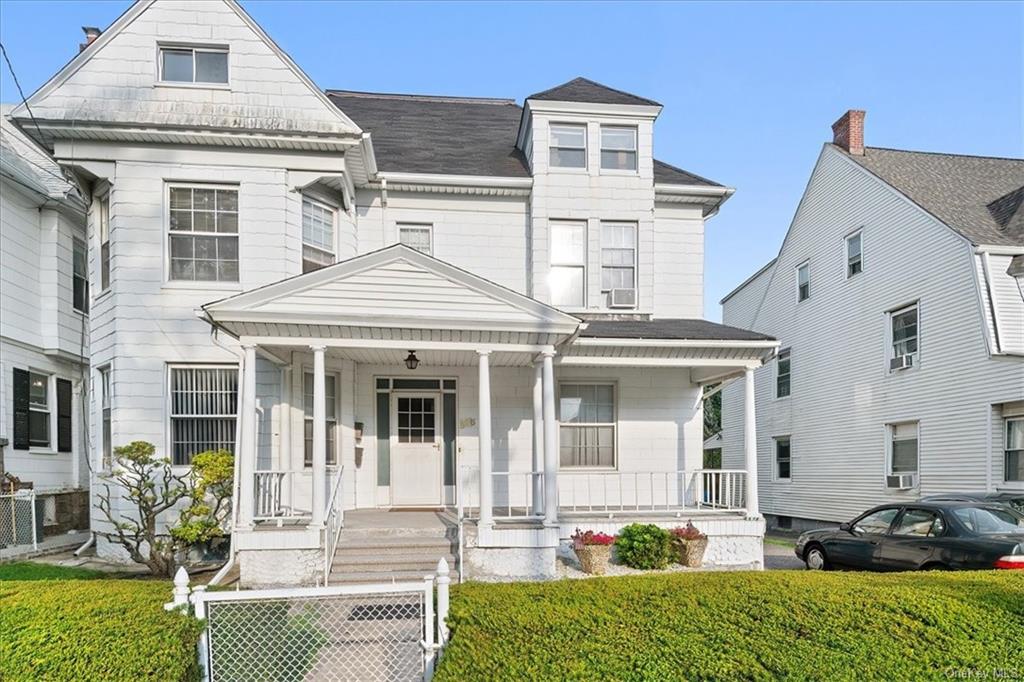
(623,298)
(901,362)
(901,481)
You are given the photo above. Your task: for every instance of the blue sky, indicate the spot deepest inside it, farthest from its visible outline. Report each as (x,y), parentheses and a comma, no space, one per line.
(750,89)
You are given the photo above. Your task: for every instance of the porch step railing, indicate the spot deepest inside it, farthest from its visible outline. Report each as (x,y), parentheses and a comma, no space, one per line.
(335,522)
(276,496)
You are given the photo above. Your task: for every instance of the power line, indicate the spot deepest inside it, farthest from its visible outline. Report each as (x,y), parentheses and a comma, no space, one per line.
(20,91)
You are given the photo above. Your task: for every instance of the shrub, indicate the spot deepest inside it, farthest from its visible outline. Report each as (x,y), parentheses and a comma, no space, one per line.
(644,546)
(738,626)
(94,630)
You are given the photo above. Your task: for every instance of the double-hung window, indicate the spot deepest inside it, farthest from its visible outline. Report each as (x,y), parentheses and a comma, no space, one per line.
(568,146)
(184,64)
(105,396)
(79,276)
(203,410)
(618,148)
(587,425)
(783,368)
(618,262)
(38,410)
(103,218)
(783,459)
(567,278)
(331,404)
(1013,453)
(903,448)
(416,237)
(317,235)
(854,255)
(904,337)
(203,224)
(803,282)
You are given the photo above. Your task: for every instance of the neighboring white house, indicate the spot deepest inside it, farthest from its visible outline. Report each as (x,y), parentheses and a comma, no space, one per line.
(44,317)
(897,298)
(393,302)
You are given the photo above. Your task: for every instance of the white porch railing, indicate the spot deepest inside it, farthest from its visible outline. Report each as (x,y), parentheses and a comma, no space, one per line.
(335,522)
(721,488)
(276,496)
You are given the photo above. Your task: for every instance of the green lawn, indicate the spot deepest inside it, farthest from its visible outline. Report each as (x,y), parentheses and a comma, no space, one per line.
(27,570)
(794,625)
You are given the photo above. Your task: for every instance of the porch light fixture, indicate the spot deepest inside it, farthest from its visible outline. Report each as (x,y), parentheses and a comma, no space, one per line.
(412,362)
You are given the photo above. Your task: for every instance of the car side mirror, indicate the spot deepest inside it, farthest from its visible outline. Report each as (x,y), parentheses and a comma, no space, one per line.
(847,526)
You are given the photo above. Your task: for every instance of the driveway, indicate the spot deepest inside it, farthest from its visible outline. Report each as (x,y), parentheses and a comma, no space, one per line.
(778,555)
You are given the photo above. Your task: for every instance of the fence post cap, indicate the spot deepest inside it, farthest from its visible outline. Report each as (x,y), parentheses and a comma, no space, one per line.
(181,577)
(442,567)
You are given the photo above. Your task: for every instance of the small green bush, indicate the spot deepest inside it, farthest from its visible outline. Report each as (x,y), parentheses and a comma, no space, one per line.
(644,546)
(725,626)
(94,630)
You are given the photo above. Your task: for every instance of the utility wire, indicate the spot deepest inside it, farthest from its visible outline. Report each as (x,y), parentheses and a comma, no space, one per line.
(20,91)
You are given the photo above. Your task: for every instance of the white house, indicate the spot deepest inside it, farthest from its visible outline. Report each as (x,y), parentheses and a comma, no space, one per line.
(481,313)
(44,306)
(897,298)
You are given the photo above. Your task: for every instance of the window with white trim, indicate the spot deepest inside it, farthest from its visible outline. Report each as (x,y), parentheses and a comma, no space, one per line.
(586,425)
(567,276)
(783,459)
(618,257)
(318,221)
(331,412)
(38,410)
(185,64)
(416,237)
(903,452)
(803,282)
(854,254)
(783,369)
(618,148)
(79,276)
(203,226)
(904,334)
(568,146)
(103,218)
(203,410)
(1013,450)
(106,446)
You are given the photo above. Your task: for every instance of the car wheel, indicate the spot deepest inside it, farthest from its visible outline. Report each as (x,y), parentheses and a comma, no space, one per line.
(815,558)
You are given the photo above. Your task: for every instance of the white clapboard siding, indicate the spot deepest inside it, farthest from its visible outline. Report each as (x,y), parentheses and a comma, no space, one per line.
(842,395)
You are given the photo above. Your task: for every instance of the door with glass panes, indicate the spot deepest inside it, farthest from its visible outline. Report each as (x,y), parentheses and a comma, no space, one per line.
(416,461)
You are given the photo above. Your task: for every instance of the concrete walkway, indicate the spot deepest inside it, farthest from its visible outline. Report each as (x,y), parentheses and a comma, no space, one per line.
(48,545)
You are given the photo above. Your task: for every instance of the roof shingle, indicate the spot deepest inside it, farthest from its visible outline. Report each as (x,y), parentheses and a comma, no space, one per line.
(669,329)
(585,90)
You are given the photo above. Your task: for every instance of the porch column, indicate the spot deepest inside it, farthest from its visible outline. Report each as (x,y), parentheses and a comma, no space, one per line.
(750,442)
(319,437)
(550,443)
(484,427)
(538,438)
(247,439)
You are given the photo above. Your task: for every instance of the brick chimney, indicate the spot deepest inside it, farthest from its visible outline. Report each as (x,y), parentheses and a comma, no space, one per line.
(848,132)
(91,34)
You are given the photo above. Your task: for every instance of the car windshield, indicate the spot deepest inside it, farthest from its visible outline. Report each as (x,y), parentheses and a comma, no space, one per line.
(990,520)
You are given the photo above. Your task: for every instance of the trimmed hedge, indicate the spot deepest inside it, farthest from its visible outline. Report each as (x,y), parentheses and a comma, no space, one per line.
(739,626)
(94,630)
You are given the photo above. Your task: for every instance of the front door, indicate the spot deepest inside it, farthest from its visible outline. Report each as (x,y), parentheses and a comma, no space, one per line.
(416,466)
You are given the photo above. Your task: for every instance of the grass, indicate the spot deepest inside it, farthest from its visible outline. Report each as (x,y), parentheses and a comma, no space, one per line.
(27,570)
(792,625)
(780,542)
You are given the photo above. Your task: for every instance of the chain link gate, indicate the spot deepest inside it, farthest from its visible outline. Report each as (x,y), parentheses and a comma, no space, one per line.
(358,633)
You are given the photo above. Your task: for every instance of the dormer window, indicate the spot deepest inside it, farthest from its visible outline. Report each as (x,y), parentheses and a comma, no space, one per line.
(568,146)
(182,64)
(618,148)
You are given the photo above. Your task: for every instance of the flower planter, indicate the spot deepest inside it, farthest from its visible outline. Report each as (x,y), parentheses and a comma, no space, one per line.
(691,552)
(594,558)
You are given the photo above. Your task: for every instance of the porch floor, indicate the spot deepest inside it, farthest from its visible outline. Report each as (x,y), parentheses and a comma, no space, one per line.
(412,520)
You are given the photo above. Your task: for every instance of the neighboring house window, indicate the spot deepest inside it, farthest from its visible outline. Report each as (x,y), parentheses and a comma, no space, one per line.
(854,255)
(783,459)
(330,393)
(38,410)
(204,234)
(783,368)
(618,148)
(903,448)
(317,235)
(79,277)
(416,237)
(1014,450)
(618,263)
(104,230)
(204,407)
(568,146)
(193,65)
(568,264)
(105,396)
(904,337)
(587,425)
(803,282)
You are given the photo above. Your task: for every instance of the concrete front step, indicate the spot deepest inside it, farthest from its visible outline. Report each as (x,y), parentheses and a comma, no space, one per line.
(392,545)
(360,577)
(422,564)
(374,557)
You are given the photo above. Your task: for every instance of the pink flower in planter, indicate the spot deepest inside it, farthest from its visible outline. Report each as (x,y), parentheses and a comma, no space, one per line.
(582,539)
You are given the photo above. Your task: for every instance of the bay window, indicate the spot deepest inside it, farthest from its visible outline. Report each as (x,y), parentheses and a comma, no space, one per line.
(317,235)
(587,425)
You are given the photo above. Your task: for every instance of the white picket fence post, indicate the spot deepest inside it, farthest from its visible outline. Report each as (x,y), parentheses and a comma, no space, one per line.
(443,581)
(181,591)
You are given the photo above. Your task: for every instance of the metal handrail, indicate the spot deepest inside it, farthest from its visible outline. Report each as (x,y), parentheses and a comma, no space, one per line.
(335,522)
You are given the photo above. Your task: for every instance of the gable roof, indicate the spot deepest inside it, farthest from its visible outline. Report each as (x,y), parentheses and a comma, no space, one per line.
(23,161)
(977,196)
(592,92)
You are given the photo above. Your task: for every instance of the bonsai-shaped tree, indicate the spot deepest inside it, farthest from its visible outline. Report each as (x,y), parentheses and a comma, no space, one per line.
(151,486)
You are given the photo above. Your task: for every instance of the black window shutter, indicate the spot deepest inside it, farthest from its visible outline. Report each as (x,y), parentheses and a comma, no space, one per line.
(63,415)
(20,409)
